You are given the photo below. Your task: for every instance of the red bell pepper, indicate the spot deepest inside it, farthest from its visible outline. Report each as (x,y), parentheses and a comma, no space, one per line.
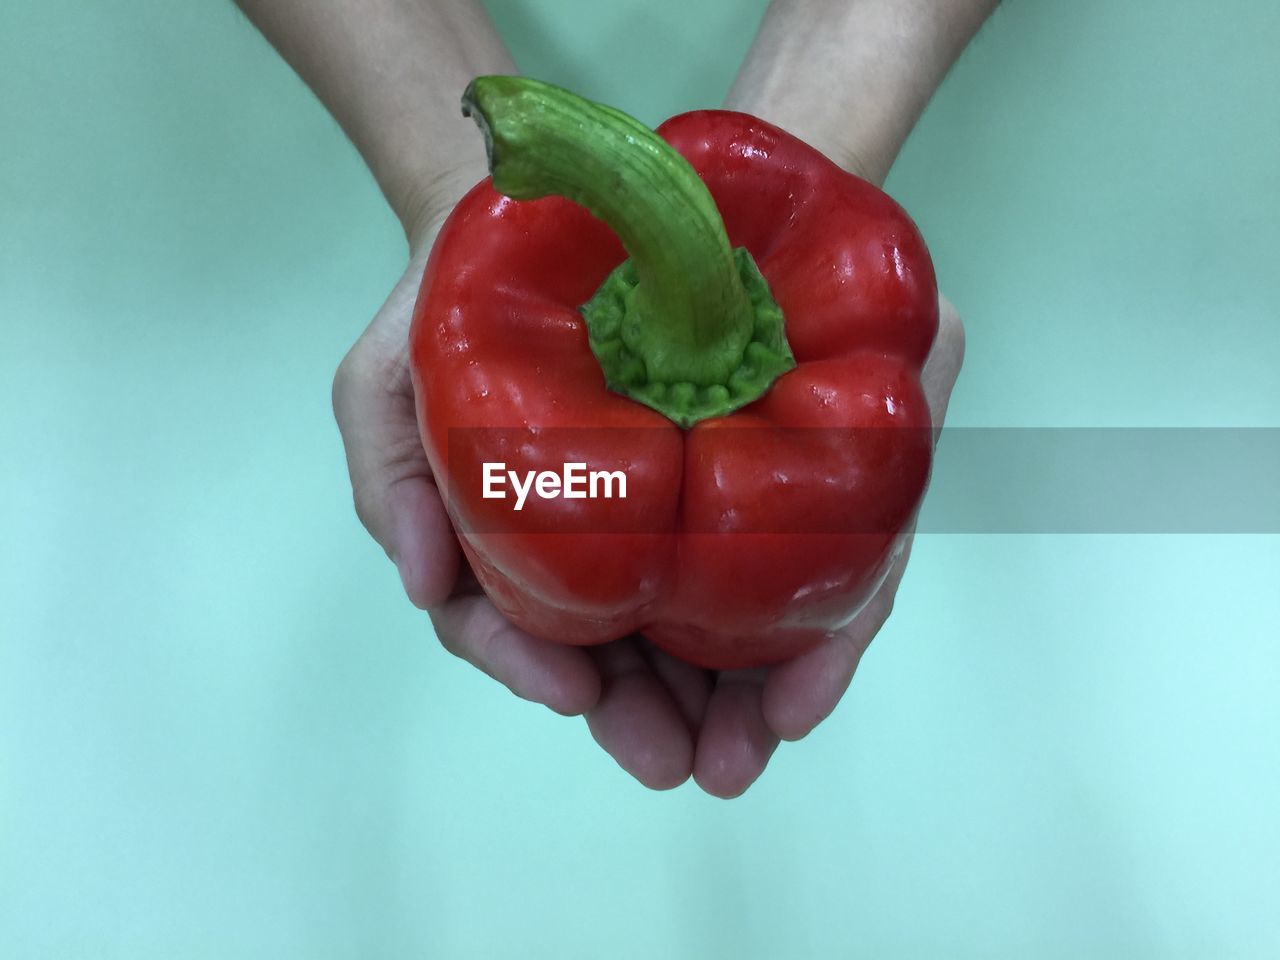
(717,311)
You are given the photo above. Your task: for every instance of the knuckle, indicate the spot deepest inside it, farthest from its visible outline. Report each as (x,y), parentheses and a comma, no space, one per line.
(364,508)
(954,332)
(951,334)
(450,637)
(345,380)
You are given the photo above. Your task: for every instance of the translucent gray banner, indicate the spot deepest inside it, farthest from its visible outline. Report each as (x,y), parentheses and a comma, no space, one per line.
(1105,480)
(777,480)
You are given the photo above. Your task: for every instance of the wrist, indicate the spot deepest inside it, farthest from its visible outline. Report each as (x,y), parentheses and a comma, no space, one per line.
(851,77)
(427,201)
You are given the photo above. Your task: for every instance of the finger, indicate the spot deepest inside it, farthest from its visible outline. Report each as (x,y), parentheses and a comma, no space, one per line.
(422,543)
(636,720)
(943,364)
(800,694)
(395,494)
(690,687)
(735,742)
(560,677)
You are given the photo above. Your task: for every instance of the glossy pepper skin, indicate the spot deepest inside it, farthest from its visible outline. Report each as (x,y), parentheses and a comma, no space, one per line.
(746,538)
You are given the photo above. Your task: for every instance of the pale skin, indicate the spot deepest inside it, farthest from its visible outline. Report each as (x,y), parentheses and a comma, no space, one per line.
(849,77)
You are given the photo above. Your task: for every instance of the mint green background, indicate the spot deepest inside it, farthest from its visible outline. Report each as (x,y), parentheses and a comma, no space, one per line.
(224,733)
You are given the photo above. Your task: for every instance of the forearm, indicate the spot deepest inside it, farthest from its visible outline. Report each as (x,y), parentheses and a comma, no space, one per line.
(392,73)
(852,77)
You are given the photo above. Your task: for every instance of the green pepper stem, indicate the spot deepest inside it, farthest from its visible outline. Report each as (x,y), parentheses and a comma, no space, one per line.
(686,325)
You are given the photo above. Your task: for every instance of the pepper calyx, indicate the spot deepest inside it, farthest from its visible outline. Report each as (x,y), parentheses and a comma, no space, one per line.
(766,356)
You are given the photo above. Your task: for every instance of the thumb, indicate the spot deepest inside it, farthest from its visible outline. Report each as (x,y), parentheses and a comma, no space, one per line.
(391,481)
(942,367)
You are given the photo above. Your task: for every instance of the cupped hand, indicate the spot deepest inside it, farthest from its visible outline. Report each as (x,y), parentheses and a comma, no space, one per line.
(661,719)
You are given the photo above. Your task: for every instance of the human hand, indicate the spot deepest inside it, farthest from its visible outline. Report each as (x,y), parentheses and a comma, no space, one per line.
(397,501)
(849,79)
(663,719)
(660,718)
